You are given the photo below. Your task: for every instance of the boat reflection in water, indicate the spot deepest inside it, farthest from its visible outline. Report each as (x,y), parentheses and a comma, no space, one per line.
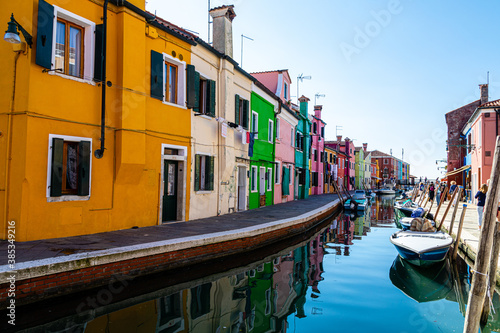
(423,284)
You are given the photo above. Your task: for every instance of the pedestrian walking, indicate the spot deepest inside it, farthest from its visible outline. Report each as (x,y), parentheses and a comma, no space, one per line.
(431,191)
(453,186)
(481,199)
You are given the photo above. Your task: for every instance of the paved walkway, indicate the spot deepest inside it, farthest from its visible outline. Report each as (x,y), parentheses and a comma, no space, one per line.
(66,247)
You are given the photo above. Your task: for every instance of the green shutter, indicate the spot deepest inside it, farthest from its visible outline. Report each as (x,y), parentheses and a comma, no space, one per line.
(197,164)
(98,54)
(209,178)
(157,66)
(56,172)
(196,107)
(211,96)
(237,109)
(245,114)
(84,168)
(44,34)
(190,87)
(285,183)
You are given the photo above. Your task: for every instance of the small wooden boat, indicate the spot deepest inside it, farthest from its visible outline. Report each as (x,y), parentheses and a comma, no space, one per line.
(421,248)
(386,191)
(357,202)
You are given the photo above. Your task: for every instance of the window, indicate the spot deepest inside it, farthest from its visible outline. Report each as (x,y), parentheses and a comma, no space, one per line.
(292,136)
(277,169)
(241,112)
(270,128)
(385,161)
(69,46)
(314,179)
(315,128)
(66,43)
(255,124)
(278,129)
(269,178)
(200,92)
(69,167)
(168,76)
(253,180)
(285,92)
(204,173)
(315,154)
(323,131)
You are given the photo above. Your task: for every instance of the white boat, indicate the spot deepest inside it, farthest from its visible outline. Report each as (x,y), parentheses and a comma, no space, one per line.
(422,248)
(386,191)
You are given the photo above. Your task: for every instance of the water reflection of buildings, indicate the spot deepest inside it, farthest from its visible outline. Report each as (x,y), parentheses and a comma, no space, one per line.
(259,300)
(382,211)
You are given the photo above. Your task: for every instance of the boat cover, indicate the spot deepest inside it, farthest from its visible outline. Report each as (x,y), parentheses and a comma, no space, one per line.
(422,224)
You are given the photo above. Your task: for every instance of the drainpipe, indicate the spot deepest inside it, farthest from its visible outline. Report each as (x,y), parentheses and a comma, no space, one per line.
(496,119)
(98,153)
(9,145)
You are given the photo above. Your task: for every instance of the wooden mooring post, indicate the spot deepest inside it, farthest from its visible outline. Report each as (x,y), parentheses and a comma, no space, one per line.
(336,188)
(492,276)
(459,233)
(455,210)
(441,200)
(480,279)
(426,188)
(446,211)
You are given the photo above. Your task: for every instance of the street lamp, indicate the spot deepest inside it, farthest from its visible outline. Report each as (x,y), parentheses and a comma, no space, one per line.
(300,78)
(12,35)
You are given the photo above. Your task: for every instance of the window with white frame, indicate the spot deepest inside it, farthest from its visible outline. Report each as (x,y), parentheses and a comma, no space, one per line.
(255,124)
(65,42)
(270,128)
(253,180)
(168,79)
(278,123)
(277,168)
(69,167)
(269,179)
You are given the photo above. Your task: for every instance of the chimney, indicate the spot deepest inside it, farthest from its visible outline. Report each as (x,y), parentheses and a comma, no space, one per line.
(303,105)
(339,138)
(484,93)
(223,29)
(365,146)
(317,111)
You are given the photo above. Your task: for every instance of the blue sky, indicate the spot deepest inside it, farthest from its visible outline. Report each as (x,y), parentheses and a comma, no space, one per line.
(390,69)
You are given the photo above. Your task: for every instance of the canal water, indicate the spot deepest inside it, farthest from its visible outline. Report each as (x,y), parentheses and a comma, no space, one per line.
(347,277)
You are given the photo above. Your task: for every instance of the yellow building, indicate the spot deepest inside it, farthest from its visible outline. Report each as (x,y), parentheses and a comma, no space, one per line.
(57,178)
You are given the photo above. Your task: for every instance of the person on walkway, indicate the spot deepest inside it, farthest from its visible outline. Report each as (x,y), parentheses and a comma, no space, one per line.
(453,186)
(481,199)
(431,191)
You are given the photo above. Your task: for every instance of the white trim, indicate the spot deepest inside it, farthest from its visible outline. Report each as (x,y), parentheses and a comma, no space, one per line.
(182,158)
(255,130)
(278,129)
(270,179)
(277,173)
(49,168)
(270,128)
(181,81)
(254,178)
(88,44)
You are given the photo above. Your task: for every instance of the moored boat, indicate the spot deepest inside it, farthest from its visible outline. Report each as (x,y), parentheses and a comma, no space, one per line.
(421,248)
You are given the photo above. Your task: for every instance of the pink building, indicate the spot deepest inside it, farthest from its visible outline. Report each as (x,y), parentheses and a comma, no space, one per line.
(481,131)
(318,151)
(286,123)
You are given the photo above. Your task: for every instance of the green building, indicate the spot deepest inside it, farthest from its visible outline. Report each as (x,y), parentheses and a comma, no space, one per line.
(359,168)
(302,151)
(262,120)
